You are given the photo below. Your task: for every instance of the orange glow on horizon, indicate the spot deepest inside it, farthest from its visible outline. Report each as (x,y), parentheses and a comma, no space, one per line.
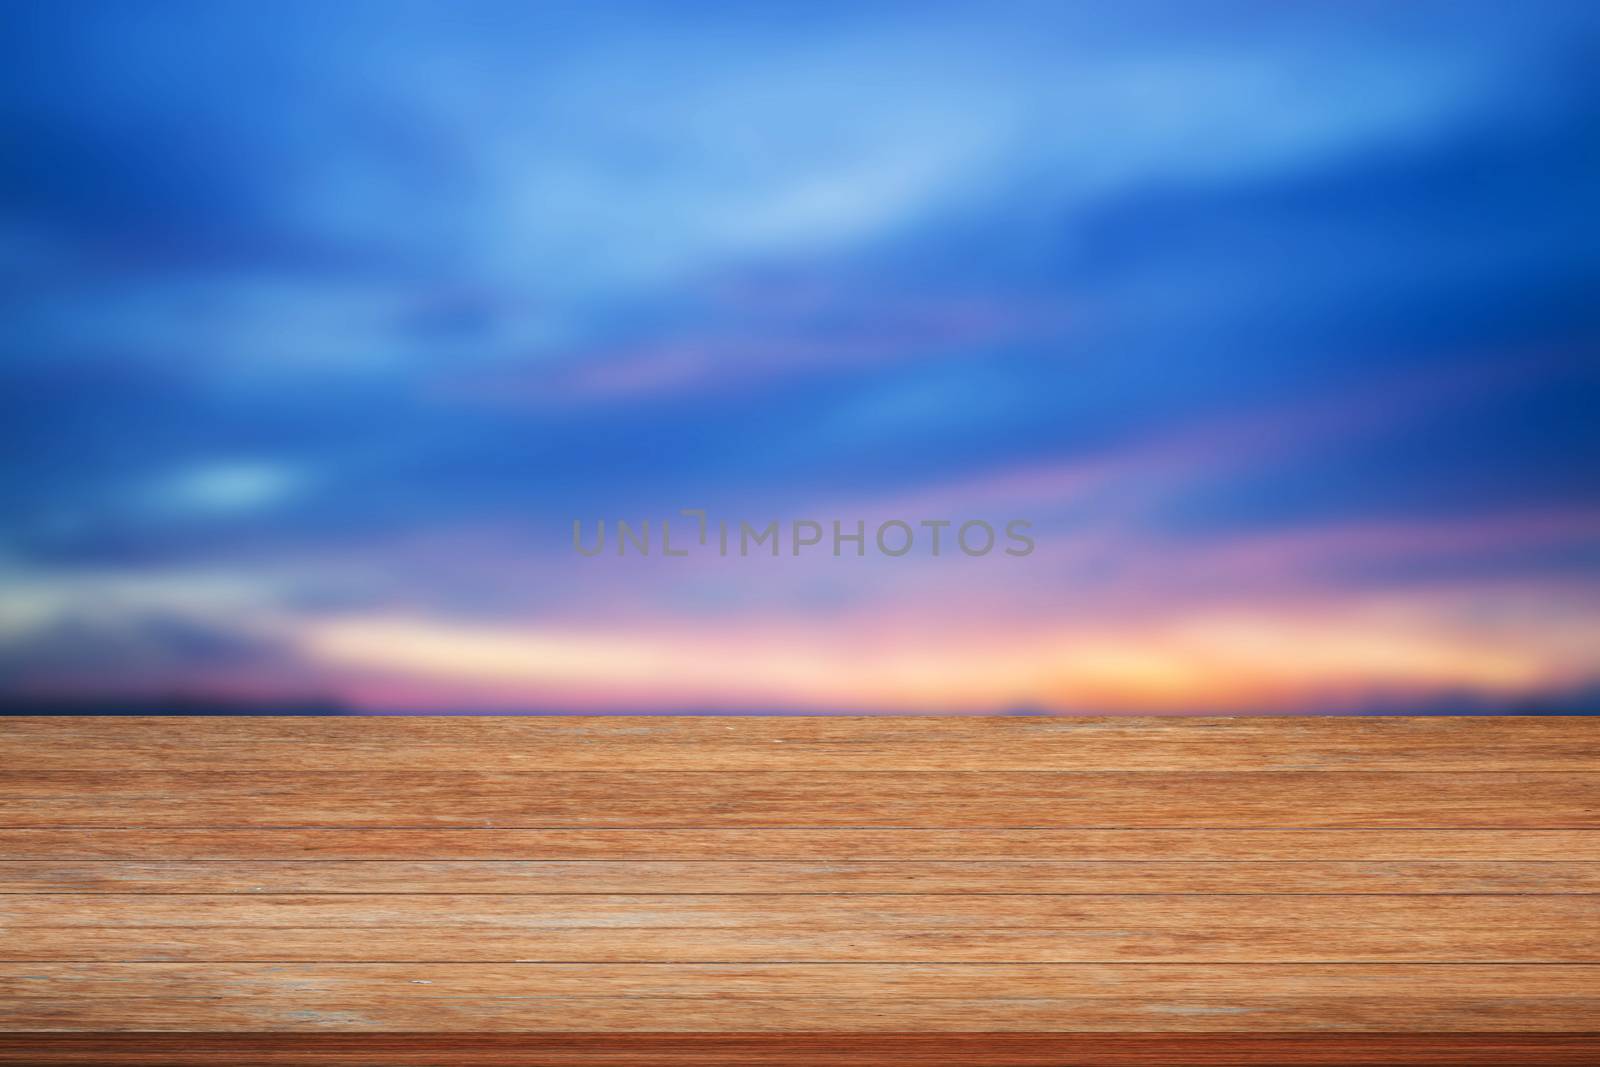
(1238,660)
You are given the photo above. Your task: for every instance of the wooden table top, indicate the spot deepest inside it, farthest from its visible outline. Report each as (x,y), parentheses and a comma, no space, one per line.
(1024,890)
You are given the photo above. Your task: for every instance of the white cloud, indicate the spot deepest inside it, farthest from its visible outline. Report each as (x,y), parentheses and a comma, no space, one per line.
(226,488)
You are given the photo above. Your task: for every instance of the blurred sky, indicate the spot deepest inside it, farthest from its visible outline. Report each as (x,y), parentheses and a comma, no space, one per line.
(321,322)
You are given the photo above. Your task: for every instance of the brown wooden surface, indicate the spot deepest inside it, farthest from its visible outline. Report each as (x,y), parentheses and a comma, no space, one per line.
(827,797)
(278,1049)
(1042,881)
(808,745)
(773,876)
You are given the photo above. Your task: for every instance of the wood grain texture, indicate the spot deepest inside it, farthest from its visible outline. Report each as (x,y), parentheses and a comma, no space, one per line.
(787,843)
(1496,1012)
(831,798)
(374,942)
(281,1049)
(741,877)
(807,744)
(1002,981)
(811,911)
(623,880)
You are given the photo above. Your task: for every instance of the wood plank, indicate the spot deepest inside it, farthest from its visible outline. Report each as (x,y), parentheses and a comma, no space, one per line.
(783,798)
(1008,876)
(816,911)
(1117,943)
(861,743)
(736,877)
(782,843)
(1259,1011)
(309,981)
(281,1049)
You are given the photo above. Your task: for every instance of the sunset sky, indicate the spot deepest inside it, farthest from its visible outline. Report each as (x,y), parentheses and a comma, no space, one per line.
(323,322)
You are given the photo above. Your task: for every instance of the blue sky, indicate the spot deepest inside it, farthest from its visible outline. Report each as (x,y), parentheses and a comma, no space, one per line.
(322,322)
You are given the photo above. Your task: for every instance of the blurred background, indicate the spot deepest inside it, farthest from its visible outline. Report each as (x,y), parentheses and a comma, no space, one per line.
(321,322)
